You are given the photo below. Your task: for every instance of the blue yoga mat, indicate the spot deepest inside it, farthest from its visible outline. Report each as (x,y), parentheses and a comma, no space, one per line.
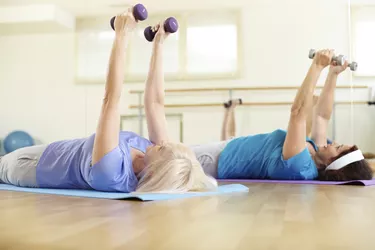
(232,188)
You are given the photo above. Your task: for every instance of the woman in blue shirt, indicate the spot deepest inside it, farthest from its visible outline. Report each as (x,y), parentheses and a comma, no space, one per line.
(290,155)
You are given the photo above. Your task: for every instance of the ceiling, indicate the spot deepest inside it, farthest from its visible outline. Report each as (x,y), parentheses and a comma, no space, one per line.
(104,7)
(81,8)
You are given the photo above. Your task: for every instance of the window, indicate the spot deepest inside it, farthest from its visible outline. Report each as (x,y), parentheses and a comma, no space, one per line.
(140,54)
(363,33)
(211,46)
(202,48)
(93,50)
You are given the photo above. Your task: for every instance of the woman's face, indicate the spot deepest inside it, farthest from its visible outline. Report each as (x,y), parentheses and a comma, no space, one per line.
(331,151)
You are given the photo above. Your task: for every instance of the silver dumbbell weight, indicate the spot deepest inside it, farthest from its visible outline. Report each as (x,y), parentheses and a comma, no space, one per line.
(353,66)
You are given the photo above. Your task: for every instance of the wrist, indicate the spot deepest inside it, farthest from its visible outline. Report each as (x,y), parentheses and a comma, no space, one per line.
(122,39)
(158,41)
(333,73)
(157,44)
(122,34)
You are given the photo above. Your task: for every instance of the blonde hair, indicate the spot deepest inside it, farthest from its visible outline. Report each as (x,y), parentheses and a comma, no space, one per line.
(176,170)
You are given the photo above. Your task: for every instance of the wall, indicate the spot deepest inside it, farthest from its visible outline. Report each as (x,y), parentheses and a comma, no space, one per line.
(38,92)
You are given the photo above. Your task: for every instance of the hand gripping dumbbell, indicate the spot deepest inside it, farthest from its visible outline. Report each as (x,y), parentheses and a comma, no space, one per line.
(170,26)
(139,11)
(340,60)
(229,103)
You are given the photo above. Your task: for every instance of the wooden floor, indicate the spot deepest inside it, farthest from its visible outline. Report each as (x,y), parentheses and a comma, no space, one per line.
(269,217)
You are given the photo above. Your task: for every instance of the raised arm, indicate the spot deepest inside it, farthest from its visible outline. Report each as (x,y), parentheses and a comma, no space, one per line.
(107,131)
(310,116)
(154,92)
(323,110)
(225,133)
(295,141)
(228,129)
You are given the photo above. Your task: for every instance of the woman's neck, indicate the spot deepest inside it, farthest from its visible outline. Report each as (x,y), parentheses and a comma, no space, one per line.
(137,160)
(319,164)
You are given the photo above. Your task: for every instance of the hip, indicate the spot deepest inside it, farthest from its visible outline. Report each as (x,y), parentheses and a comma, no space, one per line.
(208,156)
(19,167)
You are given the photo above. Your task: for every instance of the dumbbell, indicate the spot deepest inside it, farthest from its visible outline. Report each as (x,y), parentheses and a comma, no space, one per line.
(353,66)
(139,11)
(340,60)
(170,26)
(229,103)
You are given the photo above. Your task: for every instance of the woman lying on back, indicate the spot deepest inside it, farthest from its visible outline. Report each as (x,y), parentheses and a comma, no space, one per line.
(114,160)
(290,155)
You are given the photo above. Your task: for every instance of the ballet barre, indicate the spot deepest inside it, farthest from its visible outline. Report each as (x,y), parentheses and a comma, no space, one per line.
(267,88)
(202,105)
(258,104)
(230,91)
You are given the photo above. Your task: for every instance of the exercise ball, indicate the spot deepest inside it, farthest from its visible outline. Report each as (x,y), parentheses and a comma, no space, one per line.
(16,140)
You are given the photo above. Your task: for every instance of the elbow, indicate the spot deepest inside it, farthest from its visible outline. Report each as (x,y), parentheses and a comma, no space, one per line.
(153,108)
(160,102)
(154,96)
(323,110)
(298,114)
(111,99)
(154,103)
(324,116)
(296,111)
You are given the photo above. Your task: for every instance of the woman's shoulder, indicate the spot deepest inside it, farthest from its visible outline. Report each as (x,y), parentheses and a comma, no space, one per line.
(279,132)
(131,139)
(276,135)
(128,136)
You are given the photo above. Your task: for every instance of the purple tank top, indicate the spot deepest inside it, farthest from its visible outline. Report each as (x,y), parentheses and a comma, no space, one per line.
(67,164)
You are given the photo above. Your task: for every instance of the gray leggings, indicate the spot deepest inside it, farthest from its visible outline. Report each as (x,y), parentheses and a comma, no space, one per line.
(208,156)
(19,167)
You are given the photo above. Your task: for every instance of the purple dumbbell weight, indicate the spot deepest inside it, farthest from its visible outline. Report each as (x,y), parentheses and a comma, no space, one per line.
(139,11)
(170,26)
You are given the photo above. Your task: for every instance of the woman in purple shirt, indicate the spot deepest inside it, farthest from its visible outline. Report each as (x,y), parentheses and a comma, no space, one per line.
(113,160)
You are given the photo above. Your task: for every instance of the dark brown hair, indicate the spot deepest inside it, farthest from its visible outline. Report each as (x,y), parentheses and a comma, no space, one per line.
(359,170)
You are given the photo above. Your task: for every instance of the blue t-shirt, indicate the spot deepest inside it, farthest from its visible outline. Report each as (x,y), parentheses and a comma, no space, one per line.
(67,164)
(260,157)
